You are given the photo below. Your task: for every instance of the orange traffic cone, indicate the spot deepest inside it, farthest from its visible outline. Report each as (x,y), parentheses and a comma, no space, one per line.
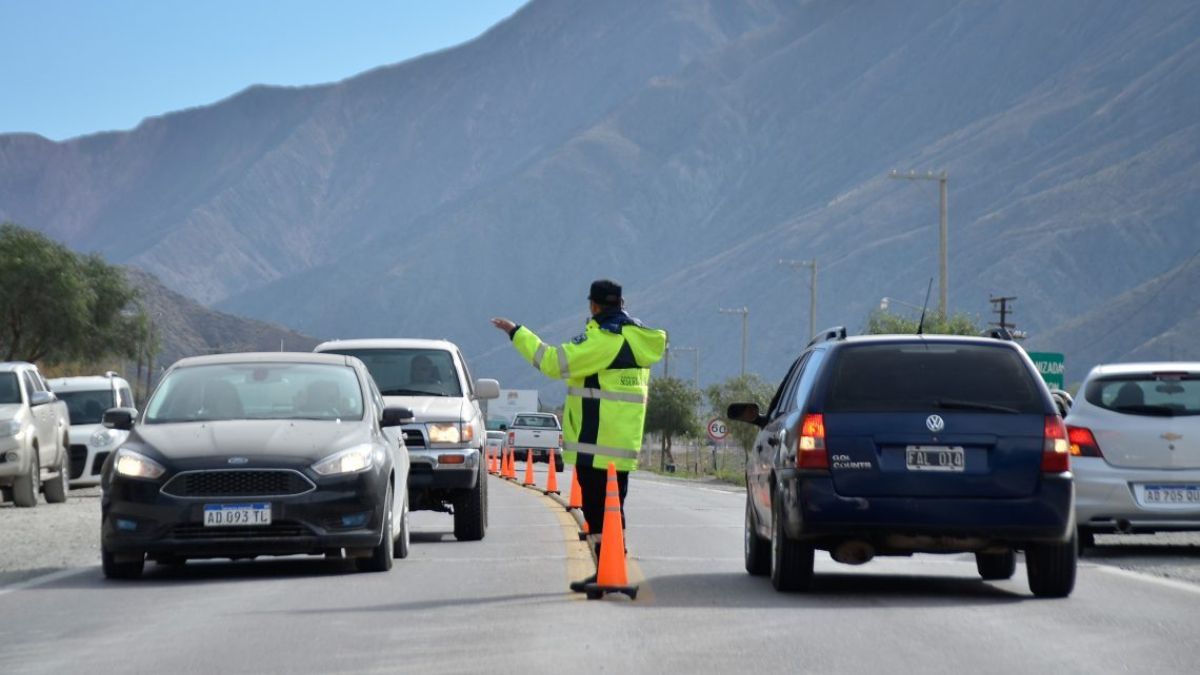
(491,461)
(508,471)
(610,572)
(552,477)
(529,470)
(575,501)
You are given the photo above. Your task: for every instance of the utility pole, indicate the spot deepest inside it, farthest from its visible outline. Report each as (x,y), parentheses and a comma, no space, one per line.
(1001,308)
(745,312)
(943,233)
(812,291)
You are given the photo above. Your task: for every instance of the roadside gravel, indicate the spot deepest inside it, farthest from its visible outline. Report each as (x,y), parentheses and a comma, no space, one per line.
(49,537)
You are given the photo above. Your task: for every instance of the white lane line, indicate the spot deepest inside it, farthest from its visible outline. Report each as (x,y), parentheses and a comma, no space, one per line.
(44,579)
(1150,578)
(733,490)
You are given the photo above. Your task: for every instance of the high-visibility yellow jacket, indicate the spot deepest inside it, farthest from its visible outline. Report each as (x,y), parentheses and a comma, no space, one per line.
(607,370)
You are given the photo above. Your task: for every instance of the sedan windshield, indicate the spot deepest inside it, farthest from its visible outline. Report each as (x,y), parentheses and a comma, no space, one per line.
(254,391)
(9,391)
(87,407)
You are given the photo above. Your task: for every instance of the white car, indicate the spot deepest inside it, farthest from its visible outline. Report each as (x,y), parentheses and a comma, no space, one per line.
(1134,432)
(446,438)
(494,444)
(90,442)
(33,437)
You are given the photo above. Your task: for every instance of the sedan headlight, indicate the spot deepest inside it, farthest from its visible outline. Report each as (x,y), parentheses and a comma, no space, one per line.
(358,458)
(9,428)
(106,437)
(450,433)
(134,465)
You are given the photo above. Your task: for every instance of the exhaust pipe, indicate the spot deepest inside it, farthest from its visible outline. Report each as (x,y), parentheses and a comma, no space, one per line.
(853,552)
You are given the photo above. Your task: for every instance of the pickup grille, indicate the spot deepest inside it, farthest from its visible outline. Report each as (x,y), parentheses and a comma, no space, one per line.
(238,483)
(413,438)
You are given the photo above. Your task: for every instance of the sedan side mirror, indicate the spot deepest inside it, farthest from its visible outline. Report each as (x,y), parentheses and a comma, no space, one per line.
(41,398)
(394,417)
(487,389)
(745,412)
(119,418)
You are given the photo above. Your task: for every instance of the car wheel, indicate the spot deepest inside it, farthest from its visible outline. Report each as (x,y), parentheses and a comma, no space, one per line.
(381,556)
(996,566)
(757,550)
(56,489)
(400,548)
(791,561)
(470,512)
(131,569)
(25,488)
(1051,568)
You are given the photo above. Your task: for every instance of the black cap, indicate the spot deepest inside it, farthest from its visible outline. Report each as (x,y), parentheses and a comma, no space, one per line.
(605,292)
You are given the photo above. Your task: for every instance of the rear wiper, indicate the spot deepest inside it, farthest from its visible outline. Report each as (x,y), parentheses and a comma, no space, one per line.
(956,404)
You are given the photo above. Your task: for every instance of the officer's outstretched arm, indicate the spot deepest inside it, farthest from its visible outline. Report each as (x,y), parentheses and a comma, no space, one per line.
(566,361)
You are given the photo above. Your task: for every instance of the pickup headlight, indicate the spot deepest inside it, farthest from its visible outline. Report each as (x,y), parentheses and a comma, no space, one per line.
(450,433)
(106,437)
(9,428)
(358,458)
(134,465)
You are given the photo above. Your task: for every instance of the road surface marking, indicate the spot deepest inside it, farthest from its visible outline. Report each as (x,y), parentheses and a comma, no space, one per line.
(44,579)
(1150,578)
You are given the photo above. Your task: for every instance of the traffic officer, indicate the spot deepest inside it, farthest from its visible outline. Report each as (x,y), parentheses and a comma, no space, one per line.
(607,369)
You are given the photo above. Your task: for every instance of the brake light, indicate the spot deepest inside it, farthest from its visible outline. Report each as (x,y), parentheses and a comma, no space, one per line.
(1083,443)
(1056,457)
(512,438)
(560,440)
(810,447)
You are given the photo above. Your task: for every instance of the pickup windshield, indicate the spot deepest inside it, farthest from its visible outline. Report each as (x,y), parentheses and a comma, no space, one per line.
(10,392)
(409,372)
(536,422)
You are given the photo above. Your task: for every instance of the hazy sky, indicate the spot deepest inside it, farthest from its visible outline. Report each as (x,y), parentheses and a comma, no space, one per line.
(72,67)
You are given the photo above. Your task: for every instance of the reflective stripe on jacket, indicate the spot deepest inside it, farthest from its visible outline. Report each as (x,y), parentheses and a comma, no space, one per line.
(608,380)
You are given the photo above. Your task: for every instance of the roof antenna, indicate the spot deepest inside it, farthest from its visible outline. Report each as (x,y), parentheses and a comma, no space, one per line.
(921,323)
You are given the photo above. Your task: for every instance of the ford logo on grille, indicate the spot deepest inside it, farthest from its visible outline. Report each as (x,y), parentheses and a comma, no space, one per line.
(935,423)
(239,460)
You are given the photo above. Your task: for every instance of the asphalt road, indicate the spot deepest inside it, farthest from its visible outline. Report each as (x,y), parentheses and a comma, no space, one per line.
(502,605)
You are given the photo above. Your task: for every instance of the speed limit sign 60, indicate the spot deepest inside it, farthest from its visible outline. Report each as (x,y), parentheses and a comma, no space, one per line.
(717,429)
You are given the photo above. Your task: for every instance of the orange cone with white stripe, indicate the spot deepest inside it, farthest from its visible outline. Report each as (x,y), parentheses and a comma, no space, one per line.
(610,572)
(552,477)
(528,482)
(511,473)
(492,461)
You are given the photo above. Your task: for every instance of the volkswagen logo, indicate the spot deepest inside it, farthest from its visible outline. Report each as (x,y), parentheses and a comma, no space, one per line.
(239,460)
(935,423)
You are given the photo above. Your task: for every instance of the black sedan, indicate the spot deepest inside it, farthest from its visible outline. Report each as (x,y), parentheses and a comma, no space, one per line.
(242,455)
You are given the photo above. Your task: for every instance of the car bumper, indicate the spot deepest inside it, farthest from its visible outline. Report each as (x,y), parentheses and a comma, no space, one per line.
(1106,498)
(85,464)
(452,469)
(812,509)
(138,518)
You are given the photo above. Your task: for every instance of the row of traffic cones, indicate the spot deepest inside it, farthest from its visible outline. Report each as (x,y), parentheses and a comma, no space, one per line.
(611,576)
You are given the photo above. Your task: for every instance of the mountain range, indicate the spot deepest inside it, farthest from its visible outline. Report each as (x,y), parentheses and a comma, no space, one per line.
(683,147)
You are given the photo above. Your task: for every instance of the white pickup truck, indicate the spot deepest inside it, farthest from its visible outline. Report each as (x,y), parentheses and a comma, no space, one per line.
(33,437)
(539,432)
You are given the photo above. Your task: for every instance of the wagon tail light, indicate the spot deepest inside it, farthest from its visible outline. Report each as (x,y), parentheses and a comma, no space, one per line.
(1056,457)
(1082,442)
(810,444)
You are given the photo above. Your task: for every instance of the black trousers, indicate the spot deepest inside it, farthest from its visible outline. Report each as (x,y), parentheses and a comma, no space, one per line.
(593,483)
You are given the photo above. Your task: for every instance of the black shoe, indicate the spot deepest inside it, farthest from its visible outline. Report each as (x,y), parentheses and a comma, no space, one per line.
(578,586)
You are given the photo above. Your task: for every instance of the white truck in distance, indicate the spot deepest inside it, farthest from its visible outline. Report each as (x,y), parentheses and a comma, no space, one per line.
(539,432)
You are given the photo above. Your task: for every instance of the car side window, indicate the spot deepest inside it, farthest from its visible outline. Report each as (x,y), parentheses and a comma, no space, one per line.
(778,403)
(30,384)
(124,397)
(804,383)
(467,373)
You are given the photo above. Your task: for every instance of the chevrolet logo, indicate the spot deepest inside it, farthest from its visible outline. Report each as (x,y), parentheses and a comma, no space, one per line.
(1170,437)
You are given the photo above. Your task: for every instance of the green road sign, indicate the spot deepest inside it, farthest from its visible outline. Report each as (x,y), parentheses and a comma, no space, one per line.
(1050,365)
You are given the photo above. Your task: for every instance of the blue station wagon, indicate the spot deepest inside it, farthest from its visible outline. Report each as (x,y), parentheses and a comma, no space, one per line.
(897,444)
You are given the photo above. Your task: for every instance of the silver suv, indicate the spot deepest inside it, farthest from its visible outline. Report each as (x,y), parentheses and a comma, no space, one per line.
(33,437)
(445,439)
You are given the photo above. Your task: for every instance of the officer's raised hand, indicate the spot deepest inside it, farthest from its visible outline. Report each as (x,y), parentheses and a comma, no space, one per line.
(505,325)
